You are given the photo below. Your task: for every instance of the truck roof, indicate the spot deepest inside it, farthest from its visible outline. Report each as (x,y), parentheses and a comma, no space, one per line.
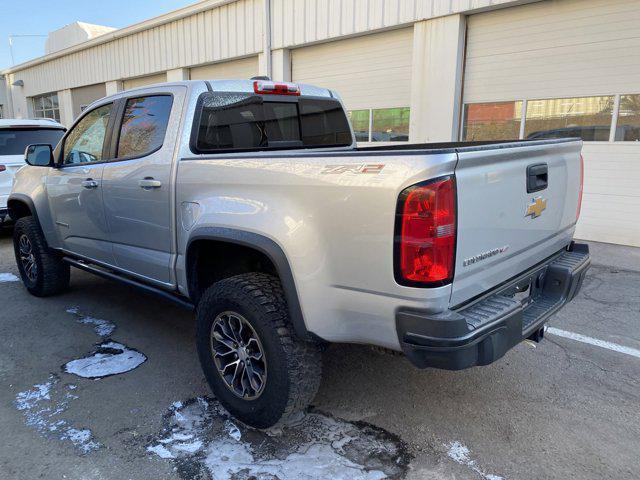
(236,85)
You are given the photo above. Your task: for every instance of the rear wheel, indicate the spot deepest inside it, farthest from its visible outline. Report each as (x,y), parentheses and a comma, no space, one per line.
(42,271)
(256,366)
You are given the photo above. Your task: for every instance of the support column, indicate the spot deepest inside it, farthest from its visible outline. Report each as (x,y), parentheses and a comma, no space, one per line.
(113,87)
(177,75)
(281,65)
(436,85)
(263,65)
(66,107)
(18,99)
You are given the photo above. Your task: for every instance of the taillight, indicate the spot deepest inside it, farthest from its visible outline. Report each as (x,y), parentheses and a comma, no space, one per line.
(2,168)
(426,233)
(267,87)
(581,187)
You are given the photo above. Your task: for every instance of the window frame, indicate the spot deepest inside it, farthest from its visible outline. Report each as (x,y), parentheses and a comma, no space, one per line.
(612,130)
(195,126)
(37,105)
(106,146)
(370,139)
(117,127)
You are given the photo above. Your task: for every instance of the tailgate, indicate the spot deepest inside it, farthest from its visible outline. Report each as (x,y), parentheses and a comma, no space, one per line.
(505,226)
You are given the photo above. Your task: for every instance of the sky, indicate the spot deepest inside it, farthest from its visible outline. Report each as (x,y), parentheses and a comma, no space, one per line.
(39,17)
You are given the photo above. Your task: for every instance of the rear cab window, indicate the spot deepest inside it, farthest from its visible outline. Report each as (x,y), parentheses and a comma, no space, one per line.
(14,141)
(237,122)
(144,124)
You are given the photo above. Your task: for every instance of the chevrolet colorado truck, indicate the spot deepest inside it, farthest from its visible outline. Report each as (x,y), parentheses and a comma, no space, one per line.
(250,202)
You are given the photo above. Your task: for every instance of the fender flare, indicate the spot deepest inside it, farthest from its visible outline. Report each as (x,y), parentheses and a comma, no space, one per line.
(20,197)
(274,252)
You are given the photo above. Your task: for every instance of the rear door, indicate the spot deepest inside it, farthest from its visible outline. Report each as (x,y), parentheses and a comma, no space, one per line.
(138,195)
(517,205)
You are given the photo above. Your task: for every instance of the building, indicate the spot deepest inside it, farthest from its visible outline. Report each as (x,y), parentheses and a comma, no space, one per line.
(418,70)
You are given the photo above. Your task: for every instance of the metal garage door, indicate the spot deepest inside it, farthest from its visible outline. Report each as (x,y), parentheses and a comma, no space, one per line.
(372,74)
(144,81)
(83,96)
(570,67)
(244,68)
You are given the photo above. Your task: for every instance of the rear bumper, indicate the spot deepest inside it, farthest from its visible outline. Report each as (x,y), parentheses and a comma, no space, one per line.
(4,215)
(483,331)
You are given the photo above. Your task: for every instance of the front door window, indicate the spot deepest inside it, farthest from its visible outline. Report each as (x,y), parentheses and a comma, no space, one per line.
(85,142)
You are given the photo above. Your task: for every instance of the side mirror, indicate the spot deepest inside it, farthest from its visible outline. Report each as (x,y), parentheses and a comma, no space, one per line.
(39,155)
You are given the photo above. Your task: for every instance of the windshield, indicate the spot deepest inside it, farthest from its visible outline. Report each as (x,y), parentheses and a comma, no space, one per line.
(15,141)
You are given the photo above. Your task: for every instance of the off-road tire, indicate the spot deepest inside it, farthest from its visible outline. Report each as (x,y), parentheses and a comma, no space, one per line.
(293,364)
(52,274)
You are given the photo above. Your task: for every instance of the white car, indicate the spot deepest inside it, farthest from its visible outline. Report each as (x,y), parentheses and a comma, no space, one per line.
(15,135)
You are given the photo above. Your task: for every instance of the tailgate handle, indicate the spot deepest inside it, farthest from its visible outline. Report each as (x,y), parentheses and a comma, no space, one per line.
(537,177)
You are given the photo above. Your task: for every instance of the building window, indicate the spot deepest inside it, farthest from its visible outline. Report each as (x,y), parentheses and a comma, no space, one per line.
(628,125)
(390,125)
(360,122)
(381,124)
(46,106)
(492,121)
(1,113)
(585,117)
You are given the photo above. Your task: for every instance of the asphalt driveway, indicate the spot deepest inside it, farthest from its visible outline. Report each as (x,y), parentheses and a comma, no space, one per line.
(103,382)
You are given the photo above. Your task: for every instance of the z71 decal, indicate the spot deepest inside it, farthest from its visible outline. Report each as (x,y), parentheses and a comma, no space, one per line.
(368,168)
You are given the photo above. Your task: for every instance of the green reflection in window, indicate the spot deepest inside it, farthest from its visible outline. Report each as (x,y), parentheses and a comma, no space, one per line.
(390,125)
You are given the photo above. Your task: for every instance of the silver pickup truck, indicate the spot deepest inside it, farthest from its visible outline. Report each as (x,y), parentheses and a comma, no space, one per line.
(250,202)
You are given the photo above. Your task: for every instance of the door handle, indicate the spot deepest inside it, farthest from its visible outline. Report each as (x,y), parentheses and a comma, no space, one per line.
(149,182)
(89,183)
(537,177)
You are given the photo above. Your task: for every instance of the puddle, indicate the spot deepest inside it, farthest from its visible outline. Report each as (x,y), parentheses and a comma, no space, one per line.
(42,407)
(205,442)
(461,454)
(109,358)
(103,328)
(8,277)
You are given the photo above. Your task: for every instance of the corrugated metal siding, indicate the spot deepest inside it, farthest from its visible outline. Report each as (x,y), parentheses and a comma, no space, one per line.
(232,30)
(565,48)
(373,71)
(244,68)
(297,22)
(143,81)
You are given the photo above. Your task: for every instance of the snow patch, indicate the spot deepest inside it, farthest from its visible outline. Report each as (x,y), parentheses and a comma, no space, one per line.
(8,277)
(459,453)
(42,405)
(102,327)
(204,441)
(109,358)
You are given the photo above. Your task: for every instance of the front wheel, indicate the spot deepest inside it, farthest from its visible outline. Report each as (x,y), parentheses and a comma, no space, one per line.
(256,366)
(42,271)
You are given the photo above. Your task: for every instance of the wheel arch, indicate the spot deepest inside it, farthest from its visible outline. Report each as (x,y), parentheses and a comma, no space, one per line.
(19,205)
(263,246)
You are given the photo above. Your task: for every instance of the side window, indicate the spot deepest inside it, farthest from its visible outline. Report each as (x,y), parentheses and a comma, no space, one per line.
(84,143)
(144,124)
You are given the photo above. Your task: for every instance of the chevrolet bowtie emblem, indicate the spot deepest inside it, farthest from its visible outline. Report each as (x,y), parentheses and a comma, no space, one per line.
(536,207)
